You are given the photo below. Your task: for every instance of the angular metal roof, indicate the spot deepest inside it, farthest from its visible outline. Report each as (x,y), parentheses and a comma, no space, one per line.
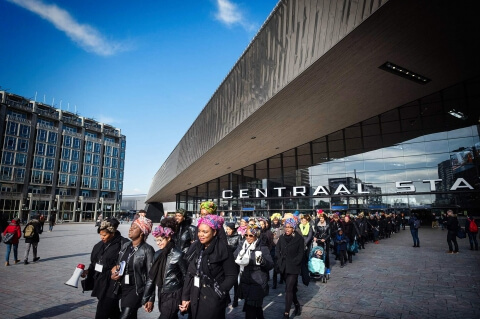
(313,69)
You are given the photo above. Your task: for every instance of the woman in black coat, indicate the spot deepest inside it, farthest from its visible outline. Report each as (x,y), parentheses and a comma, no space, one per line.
(322,238)
(167,273)
(255,261)
(211,272)
(289,252)
(103,257)
(234,240)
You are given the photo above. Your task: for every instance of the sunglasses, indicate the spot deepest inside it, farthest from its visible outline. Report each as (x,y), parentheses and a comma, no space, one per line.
(249,235)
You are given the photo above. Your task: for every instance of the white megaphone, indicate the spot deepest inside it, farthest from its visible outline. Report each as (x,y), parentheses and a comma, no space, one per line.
(73,281)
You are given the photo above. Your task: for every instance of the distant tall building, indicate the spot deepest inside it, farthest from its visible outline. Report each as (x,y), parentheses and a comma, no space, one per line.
(54,161)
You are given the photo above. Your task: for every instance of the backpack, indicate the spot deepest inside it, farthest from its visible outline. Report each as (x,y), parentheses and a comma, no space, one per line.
(472,228)
(29,231)
(416,223)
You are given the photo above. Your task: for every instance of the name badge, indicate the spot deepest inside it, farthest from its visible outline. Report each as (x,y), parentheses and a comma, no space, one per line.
(127,280)
(196,281)
(98,267)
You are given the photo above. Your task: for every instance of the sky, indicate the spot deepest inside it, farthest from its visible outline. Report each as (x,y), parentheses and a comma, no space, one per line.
(146,67)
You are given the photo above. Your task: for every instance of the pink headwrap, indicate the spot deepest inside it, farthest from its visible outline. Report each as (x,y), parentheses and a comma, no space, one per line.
(145,225)
(160,231)
(212,221)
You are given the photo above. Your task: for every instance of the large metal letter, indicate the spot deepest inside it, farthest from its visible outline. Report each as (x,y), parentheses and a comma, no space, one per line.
(279,190)
(320,190)
(299,190)
(432,183)
(260,191)
(244,193)
(342,189)
(224,194)
(457,185)
(404,188)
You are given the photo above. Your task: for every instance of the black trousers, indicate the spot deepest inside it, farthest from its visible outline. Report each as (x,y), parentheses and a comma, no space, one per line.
(291,282)
(252,312)
(452,237)
(107,308)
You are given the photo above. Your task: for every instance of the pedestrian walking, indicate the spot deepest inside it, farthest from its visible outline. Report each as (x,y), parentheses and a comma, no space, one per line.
(289,253)
(255,262)
(471,228)
(137,257)
(102,259)
(12,228)
(167,273)
(51,221)
(452,226)
(414,224)
(234,240)
(31,233)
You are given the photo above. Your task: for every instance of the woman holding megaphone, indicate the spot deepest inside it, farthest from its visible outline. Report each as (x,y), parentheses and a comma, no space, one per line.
(103,257)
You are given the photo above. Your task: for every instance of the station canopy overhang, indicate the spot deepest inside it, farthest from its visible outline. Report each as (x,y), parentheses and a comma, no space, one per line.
(315,68)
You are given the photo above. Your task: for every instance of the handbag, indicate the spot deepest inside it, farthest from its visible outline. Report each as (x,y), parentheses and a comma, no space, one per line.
(353,248)
(87,284)
(461,233)
(7,238)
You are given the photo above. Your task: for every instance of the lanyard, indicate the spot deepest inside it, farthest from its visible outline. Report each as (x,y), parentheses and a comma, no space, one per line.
(199,261)
(130,256)
(103,252)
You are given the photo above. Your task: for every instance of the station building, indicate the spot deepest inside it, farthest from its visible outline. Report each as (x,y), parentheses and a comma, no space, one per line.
(55,161)
(340,106)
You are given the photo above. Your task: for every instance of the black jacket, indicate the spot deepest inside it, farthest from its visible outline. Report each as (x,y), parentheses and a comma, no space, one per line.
(289,255)
(142,262)
(185,235)
(175,270)
(217,268)
(234,241)
(452,225)
(254,278)
(106,254)
(36,235)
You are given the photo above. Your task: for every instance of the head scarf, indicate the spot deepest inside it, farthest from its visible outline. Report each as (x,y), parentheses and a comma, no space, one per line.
(209,206)
(212,221)
(160,231)
(254,229)
(276,216)
(291,221)
(145,225)
(181,211)
(107,225)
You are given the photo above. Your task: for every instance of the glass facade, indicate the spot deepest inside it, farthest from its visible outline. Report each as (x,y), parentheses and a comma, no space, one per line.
(423,156)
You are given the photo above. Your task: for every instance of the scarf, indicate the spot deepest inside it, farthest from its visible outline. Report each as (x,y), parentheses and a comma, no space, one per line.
(305,229)
(242,230)
(243,258)
(157,272)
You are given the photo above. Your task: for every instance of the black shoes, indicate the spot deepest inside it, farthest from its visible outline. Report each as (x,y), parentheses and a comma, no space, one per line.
(26,262)
(298,310)
(286,315)
(235,304)
(36,259)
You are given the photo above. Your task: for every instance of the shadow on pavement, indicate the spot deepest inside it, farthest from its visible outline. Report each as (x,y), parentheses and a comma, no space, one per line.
(57,310)
(64,256)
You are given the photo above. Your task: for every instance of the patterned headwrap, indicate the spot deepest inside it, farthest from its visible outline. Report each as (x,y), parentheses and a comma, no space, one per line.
(160,231)
(319,212)
(255,230)
(212,221)
(209,206)
(276,216)
(145,225)
(291,221)
(106,225)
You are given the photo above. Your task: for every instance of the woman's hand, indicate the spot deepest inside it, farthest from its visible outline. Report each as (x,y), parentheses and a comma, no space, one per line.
(184,306)
(84,273)
(148,306)
(114,271)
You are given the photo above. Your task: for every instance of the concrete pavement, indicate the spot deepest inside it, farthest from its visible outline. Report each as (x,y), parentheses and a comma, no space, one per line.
(388,280)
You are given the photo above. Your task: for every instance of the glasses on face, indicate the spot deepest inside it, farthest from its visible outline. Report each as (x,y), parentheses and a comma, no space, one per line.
(249,235)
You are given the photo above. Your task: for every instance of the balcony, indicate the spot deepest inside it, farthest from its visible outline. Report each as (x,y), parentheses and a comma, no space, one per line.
(50,114)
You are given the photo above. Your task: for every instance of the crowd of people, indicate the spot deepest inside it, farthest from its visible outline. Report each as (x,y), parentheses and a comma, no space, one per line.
(199,261)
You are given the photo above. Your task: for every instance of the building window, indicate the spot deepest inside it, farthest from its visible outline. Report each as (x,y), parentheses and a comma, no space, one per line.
(36,177)
(89,146)
(88,158)
(108,150)
(12,128)
(25,131)
(7,158)
(66,154)
(115,151)
(38,162)
(85,193)
(97,148)
(105,184)
(114,163)
(87,170)
(106,173)
(67,141)
(95,170)
(40,149)
(19,174)
(64,167)
(51,150)
(41,135)
(6,173)
(20,159)
(76,143)
(62,179)
(75,155)
(47,178)
(86,182)
(74,168)
(72,180)
(113,186)
(106,162)
(114,173)
(49,164)
(22,145)
(52,137)
(94,183)
(10,143)
(96,159)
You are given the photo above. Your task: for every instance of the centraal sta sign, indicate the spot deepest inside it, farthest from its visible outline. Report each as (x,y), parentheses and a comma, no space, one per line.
(401,187)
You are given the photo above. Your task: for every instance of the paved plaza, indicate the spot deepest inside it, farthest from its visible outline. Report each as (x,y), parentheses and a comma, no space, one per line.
(389,280)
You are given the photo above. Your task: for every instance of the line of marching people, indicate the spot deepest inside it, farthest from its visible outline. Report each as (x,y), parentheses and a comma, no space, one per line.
(198,263)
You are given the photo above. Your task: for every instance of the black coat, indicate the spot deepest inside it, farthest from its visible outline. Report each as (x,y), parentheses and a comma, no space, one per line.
(103,284)
(186,233)
(36,235)
(289,254)
(254,278)
(217,268)
(175,269)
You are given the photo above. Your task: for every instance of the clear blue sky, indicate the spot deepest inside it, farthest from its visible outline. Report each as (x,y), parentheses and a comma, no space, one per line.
(147,67)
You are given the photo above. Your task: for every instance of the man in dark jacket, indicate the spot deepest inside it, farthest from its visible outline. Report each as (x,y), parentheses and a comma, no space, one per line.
(452,226)
(33,239)
(185,233)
